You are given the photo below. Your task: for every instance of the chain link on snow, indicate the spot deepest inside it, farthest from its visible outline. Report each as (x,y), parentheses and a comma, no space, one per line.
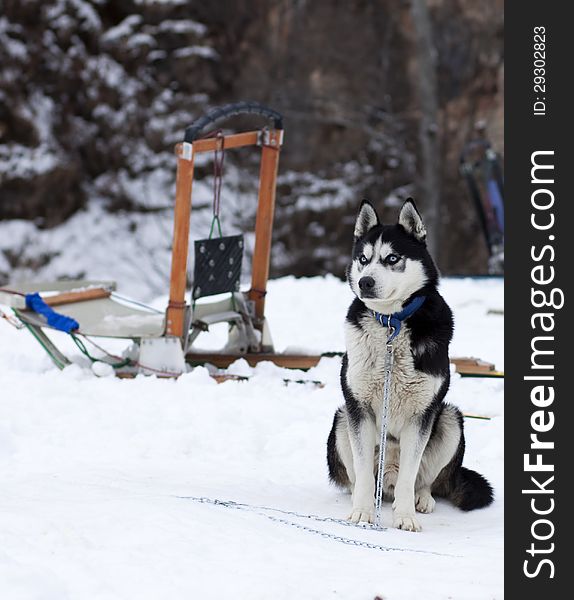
(259,510)
(291,513)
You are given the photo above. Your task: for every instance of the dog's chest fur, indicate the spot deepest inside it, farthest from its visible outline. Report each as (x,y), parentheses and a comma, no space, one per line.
(412,391)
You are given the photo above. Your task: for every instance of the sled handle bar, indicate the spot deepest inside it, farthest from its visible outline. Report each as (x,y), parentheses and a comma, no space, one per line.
(216,115)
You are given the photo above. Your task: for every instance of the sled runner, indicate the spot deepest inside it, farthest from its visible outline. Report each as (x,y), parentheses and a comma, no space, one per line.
(164,342)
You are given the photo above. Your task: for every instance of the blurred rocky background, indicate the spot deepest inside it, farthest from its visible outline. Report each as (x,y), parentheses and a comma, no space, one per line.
(379,97)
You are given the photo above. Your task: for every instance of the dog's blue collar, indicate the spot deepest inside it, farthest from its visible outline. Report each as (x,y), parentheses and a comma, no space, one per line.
(396,319)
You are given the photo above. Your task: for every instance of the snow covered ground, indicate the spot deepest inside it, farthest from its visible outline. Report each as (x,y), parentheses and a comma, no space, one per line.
(93,472)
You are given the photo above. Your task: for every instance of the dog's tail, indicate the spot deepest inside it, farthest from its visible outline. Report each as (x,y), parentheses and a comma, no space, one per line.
(469,490)
(337,471)
(465,488)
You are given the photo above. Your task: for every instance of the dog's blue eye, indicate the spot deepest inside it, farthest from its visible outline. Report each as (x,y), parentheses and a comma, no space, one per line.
(392,259)
(363,259)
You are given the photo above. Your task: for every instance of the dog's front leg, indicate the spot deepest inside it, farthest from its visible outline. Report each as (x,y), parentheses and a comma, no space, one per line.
(413,441)
(362,435)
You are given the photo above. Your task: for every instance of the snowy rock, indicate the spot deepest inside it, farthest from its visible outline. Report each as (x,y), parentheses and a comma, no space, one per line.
(101,369)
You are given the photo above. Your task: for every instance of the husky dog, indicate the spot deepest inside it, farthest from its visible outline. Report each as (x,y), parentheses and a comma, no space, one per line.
(394,277)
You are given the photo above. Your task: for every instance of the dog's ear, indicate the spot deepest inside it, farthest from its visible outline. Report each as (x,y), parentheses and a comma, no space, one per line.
(411,220)
(366,219)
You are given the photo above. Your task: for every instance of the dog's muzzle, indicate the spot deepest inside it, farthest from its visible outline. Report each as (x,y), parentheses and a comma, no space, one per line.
(367,286)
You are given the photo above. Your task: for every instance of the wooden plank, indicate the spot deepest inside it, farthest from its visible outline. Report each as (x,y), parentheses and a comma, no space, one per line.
(474,416)
(176,308)
(473,369)
(264,224)
(464,366)
(289,361)
(471,365)
(67,285)
(237,140)
(80,296)
(471,361)
(222,361)
(493,374)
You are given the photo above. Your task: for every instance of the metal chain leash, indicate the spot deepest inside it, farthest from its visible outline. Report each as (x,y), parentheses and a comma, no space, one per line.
(388,367)
(291,513)
(260,510)
(218,159)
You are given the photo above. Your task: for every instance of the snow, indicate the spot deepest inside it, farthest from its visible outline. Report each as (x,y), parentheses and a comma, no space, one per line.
(85,13)
(94,469)
(141,39)
(202,51)
(123,29)
(316,193)
(111,74)
(15,48)
(18,161)
(173,2)
(183,26)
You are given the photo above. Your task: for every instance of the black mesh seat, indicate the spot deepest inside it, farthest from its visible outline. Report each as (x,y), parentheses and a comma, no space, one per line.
(217,266)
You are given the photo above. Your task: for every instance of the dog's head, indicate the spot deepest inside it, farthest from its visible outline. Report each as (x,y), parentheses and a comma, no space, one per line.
(390,262)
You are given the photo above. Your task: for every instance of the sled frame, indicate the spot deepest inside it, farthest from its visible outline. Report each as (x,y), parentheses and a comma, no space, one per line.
(270,141)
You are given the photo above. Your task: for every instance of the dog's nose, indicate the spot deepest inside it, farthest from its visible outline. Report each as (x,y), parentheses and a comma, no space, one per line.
(366,284)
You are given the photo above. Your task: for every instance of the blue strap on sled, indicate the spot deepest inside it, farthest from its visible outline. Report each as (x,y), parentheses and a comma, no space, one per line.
(61,322)
(396,319)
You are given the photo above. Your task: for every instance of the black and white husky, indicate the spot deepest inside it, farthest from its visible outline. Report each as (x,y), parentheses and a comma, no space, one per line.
(392,274)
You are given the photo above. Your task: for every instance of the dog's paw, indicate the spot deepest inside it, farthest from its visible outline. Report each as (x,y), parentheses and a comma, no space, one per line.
(424,502)
(362,515)
(406,522)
